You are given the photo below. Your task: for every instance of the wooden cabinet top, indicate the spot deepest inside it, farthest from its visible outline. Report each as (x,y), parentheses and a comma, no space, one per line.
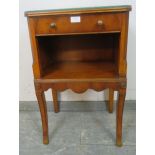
(121,8)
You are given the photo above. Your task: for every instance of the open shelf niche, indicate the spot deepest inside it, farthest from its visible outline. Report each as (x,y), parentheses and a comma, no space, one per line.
(79,56)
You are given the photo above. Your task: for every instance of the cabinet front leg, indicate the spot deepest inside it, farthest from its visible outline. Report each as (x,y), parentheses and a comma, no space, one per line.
(43,110)
(111,100)
(55,101)
(119,115)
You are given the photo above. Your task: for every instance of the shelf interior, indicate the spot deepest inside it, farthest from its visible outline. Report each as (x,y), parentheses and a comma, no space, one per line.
(78,56)
(77,70)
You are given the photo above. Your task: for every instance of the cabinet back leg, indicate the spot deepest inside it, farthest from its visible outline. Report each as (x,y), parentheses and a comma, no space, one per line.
(43,111)
(55,101)
(119,115)
(111,100)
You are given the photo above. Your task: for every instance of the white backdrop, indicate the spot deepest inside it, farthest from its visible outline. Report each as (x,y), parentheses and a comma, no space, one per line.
(26,87)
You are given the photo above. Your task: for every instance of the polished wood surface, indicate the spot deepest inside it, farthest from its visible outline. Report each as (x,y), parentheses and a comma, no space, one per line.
(85,47)
(89,10)
(111,100)
(43,111)
(88,54)
(63,24)
(78,70)
(119,114)
(55,101)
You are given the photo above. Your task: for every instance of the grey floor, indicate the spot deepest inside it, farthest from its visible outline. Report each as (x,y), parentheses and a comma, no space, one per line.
(81,128)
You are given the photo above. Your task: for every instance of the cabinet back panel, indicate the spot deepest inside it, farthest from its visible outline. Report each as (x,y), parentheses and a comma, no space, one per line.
(87,47)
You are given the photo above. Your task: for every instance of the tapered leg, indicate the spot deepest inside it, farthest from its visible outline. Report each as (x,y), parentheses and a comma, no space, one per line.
(119,115)
(111,100)
(43,110)
(55,101)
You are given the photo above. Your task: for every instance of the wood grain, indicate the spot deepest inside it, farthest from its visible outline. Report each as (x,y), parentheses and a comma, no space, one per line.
(80,56)
(89,10)
(111,22)
(43,111)
(119,115)
(78,70)
(55,101)
(111,100)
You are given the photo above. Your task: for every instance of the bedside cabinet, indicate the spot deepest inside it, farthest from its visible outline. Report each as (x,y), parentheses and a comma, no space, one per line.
(80,49)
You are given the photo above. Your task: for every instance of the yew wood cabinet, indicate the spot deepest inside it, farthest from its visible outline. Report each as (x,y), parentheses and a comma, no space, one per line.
(80,49)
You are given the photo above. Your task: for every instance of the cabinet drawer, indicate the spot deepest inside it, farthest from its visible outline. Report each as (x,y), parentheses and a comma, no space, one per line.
(61,24)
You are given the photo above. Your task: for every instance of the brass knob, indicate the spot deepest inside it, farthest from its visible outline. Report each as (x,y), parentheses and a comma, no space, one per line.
(99,22)
(53,25)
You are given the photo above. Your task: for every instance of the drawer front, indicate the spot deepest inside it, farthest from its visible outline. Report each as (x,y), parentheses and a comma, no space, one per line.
(61,24)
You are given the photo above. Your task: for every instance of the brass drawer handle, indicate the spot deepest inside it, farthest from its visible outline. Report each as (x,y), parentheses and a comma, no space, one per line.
(53,25)
(99,22)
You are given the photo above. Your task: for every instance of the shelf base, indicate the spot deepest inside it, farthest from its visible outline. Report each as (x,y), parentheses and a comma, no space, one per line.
(80,70)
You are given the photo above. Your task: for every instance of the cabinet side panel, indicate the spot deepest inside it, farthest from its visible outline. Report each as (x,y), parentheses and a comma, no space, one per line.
(35,54)
(122,63)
